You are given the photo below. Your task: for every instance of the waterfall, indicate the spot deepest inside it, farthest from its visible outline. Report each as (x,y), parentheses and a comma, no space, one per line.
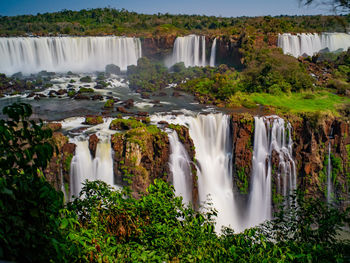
(309,44)
(329,175)
(212,139)
(190,50)
(269,138)
(180,167)
(213,54)
(84,167)
(61,54)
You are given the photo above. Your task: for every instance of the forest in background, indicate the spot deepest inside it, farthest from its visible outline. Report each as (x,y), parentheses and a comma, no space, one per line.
(107,21)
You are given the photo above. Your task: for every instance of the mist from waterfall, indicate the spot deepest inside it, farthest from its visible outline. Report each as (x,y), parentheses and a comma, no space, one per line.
(270,135)
(84,167)
(310,44)
(180,168)
(61,54)
(191,50)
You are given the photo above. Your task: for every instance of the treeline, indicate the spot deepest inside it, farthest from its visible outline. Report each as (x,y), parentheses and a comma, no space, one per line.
(122,22)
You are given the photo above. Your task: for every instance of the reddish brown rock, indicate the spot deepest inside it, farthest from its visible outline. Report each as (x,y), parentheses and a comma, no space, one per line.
(243,136)
(93,140)
(122,109)
(142,155)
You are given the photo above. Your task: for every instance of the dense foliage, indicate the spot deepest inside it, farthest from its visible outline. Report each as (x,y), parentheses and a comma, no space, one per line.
(29,205)
(119,22)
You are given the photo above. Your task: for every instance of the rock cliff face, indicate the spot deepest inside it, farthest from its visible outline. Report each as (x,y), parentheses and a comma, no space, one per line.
(243,136)
(140,156)
(158,47)
(311,136)
(59,166)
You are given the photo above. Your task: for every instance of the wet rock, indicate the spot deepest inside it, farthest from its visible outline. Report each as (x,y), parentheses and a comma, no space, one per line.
(30,95)
(61,92)
(122,109)
(145,95)
(163,123)
(161,94)
(112,69)
(176,94)
(80,96)
(128,103)
(93,120)
(97,97)
(37,97)
(93,140)
(142,113)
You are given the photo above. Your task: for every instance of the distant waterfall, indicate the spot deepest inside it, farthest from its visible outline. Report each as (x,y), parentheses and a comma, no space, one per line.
(212,139)
(180,167)
(83,167)
(309,44)
(269,135)
(213,54)
(191,50)
(61,54)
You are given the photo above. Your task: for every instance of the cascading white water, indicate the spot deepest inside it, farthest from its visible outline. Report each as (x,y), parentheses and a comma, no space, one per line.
(269,135)
(309,44)
(83,167)
(213,54)
(61,54)
(180,167)
(211,137)
(192,51)
(329,176)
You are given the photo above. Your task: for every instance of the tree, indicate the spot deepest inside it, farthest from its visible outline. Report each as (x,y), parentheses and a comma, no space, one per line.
(342,6)
(29,205)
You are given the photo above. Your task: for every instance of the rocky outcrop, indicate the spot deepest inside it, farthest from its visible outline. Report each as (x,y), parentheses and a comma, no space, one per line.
(93,141)
(141,155)
(243,136)
(158,47)
(57,171)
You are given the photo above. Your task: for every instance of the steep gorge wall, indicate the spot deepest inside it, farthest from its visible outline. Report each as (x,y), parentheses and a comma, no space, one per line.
(311,137)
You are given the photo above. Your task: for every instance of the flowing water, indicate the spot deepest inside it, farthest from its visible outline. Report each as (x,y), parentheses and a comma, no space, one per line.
(213,54)
(61,54)
(309,44)
(269,135)
(180,168)
(192,51)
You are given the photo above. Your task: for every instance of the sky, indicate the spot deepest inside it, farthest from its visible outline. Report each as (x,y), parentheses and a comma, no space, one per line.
(227,8)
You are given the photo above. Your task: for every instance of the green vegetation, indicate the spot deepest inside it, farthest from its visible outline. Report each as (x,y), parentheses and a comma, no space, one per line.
(125,124)
(109,103)
(85,90)
(86,79)
(299,102)
(121,22)
(93,120)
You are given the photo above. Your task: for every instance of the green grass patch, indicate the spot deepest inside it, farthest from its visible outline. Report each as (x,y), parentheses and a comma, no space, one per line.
(301,102)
